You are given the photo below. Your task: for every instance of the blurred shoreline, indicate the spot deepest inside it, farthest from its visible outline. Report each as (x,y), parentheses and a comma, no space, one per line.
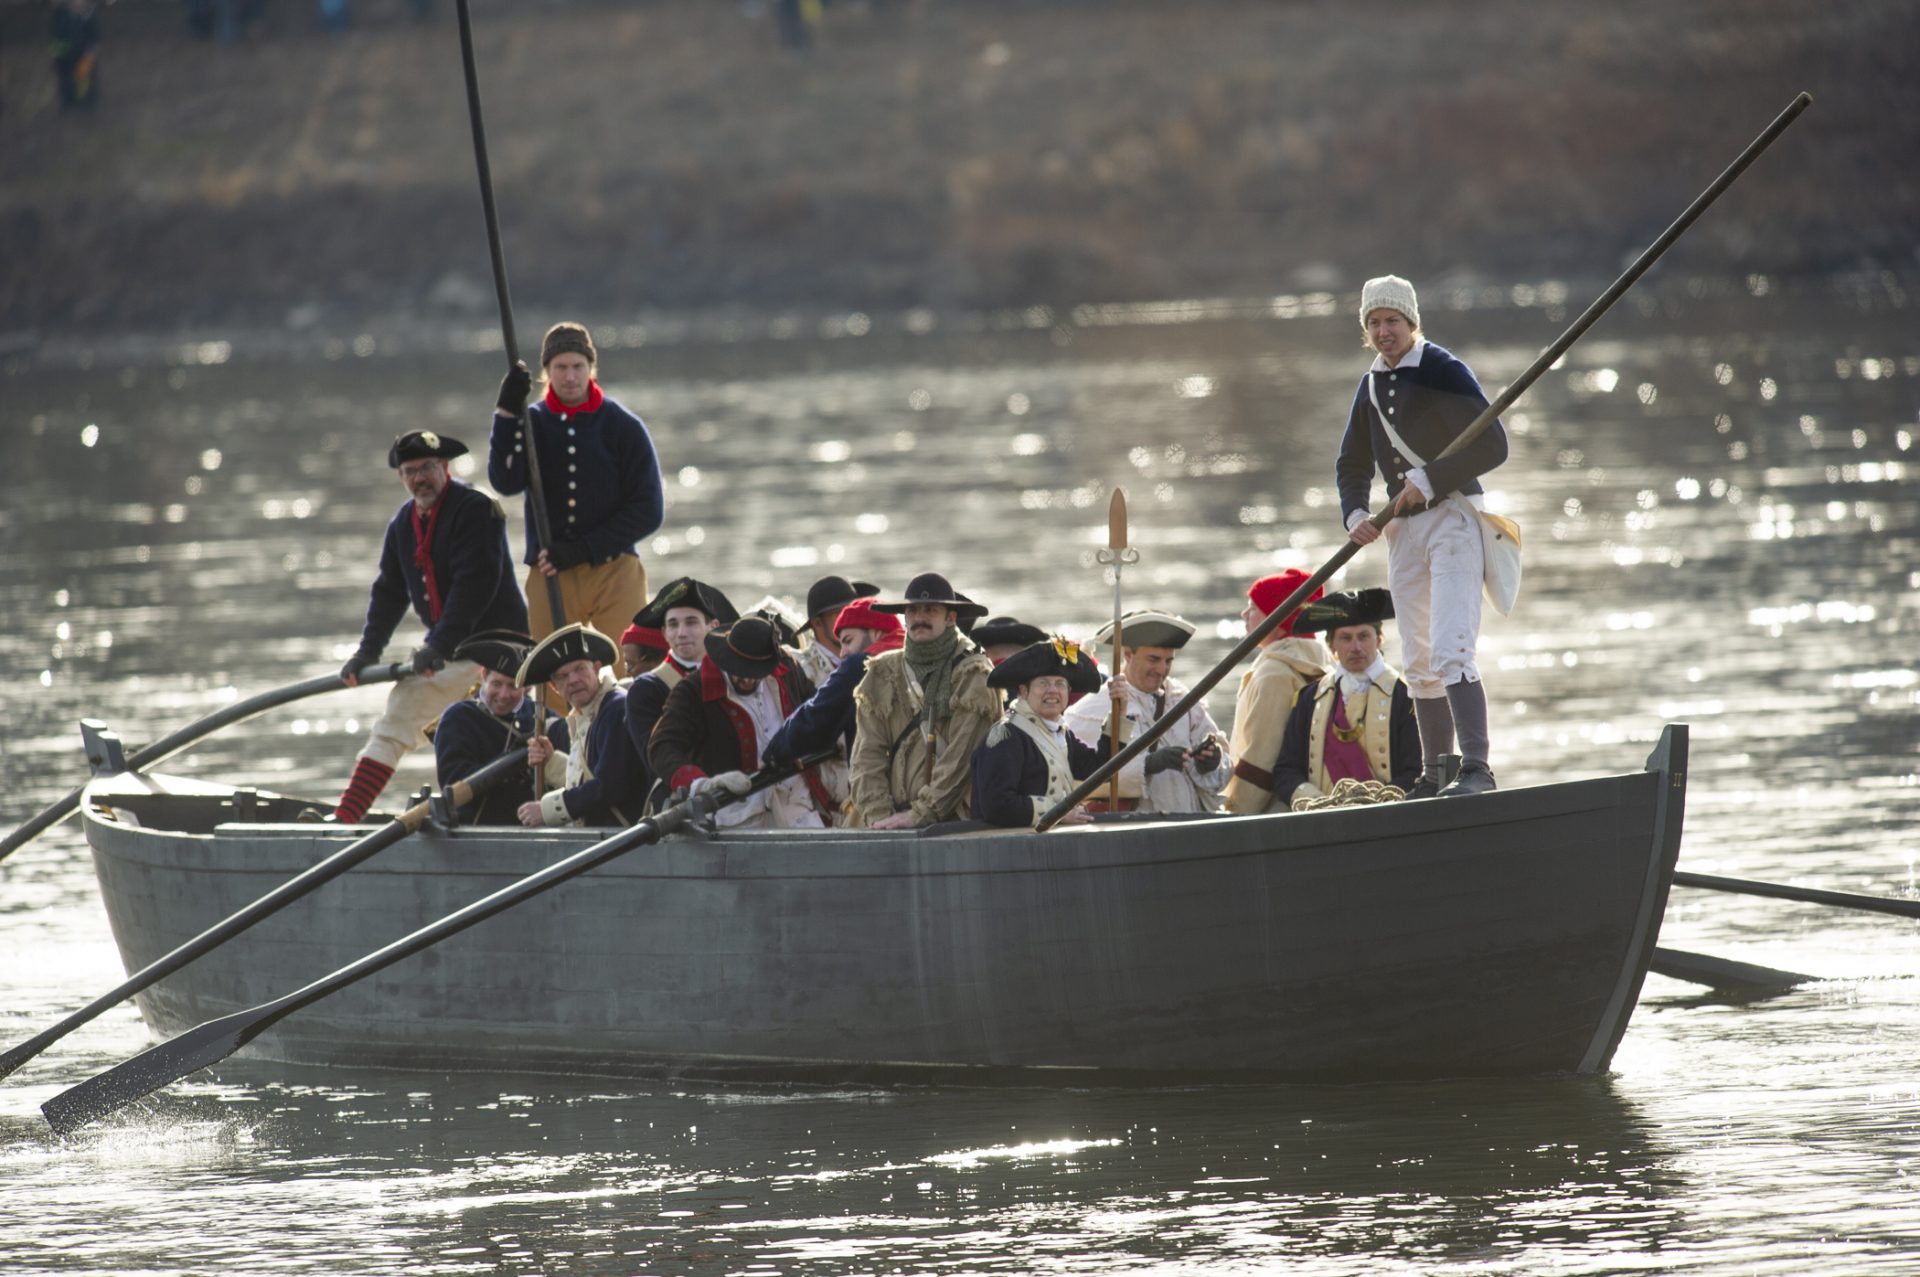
(927,158)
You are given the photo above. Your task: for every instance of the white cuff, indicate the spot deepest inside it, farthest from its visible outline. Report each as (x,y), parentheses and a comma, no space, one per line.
(1418,478)
(1357,518)
(553,808)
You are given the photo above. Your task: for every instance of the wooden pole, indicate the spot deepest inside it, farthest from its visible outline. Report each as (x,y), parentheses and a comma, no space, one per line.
(1117,547)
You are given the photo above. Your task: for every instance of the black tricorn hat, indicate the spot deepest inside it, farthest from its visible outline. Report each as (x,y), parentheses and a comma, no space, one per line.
(1147,628)
(931,587)
(1349,607)
(1004,629)
(1049,656)
(501,651)
(831,593)
(749,648)
(782,627)
(569,643)
(416,444)
(686,592)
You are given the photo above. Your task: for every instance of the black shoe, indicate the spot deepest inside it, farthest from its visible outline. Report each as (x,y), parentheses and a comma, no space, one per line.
(1428,786)
(1475,778)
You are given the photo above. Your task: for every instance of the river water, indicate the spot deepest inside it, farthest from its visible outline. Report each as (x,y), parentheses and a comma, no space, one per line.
(1717,493)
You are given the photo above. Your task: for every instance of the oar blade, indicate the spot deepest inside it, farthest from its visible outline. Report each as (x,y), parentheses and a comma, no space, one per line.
(135,1079)
(1724,974)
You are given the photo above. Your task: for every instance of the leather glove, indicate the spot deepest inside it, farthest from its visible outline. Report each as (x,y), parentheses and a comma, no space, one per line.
(1207,757)
(514,389)
(568,554)
(355,664)
(1166,758)
(427,657)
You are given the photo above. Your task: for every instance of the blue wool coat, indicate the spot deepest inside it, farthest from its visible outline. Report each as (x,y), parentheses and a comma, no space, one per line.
(619,771)
(479,587)
(601,475)
(1010,778)
(469,737)
(826,717)
(1432,403)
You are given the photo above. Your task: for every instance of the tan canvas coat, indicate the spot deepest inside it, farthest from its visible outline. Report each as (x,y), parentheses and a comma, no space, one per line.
(1266,696)
(894,767)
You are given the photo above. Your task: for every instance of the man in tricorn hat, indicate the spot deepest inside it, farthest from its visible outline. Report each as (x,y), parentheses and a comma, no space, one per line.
(821,656)
(1286,663)
(919,714)
(497,719)
(1029,760)
(684,612)
(605,781)
(717,725)
(602,479)
(1356,721)
(445,554)
(1189,765)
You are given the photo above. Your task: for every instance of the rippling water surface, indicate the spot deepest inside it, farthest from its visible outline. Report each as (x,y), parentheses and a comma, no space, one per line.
(1717,492)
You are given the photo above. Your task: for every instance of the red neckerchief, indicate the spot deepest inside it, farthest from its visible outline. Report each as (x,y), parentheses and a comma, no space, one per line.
(423,554)
(887,643)
(590,404)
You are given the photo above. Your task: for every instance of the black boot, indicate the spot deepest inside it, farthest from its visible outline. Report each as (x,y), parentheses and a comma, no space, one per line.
(1428,786)
(1475,778)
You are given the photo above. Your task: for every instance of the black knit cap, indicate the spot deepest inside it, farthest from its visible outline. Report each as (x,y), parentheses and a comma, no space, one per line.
(569,643)
(831,593)
(749,648)
(1349,607)
(931,587)
(1049,656)
(500,651)
(686,592)
(416,445)
(567,337)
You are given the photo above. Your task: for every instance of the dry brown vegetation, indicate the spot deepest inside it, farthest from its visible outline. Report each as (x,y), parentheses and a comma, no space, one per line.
(939,152)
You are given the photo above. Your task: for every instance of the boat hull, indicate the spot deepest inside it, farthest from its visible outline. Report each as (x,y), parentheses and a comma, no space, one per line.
(1503,933)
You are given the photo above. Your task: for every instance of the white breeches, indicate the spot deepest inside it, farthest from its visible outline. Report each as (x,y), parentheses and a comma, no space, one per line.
(1434,569)
(412,704)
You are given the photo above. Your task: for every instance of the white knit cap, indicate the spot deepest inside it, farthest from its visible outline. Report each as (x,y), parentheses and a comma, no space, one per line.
(1393,293)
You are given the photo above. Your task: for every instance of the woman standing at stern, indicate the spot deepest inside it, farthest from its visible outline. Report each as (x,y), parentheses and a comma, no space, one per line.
(601,480)
(1412,403)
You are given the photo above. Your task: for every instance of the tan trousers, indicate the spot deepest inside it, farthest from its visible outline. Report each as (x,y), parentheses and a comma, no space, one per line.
(604,596)
(412,704)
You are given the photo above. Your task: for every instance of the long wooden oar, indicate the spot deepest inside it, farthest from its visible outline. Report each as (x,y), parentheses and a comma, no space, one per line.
(536,498)
(1810,895)
(1550,356)
(1724,974)
(214,1041)
(362,849)
(168,746)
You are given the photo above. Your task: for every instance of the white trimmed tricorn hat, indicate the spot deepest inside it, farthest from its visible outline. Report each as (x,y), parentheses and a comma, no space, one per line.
(1148,629)
(569,643)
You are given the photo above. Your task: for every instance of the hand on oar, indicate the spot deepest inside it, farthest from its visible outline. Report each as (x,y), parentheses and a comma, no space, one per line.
(459,795)
(214,1041)
(167,746)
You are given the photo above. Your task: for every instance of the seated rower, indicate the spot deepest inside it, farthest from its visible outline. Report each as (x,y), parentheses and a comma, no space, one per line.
(641,649)
(606,782)
(1029,760)
(1356,721)
(683,612)
(716,726)
(496,720)
(1268,690)
(1189,766)
(828,716)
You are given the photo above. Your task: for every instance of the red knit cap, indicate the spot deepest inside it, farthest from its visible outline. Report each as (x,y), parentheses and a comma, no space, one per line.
(1269,592)
(641,636)
(860,615)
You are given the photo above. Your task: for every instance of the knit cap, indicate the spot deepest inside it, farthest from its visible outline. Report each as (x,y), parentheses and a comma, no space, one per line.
(1393,293)
(567,338)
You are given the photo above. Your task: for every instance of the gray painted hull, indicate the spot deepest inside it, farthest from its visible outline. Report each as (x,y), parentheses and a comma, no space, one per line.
(1505,933)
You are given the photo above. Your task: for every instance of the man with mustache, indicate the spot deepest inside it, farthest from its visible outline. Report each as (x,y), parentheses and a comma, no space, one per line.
(445,554)
(920,712)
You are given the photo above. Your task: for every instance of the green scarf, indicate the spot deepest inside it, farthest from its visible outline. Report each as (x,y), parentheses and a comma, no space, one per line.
(932,664)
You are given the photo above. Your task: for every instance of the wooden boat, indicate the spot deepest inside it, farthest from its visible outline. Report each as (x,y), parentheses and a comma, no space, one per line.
(1502,933)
